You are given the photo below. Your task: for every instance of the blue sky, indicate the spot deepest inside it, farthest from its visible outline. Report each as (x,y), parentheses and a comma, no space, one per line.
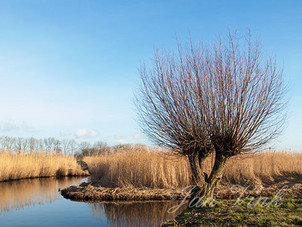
(68,69)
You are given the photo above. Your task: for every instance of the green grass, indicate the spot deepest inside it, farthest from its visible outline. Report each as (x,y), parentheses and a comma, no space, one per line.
(288,213)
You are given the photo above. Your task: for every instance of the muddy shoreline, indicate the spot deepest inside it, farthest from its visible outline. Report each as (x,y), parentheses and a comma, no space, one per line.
(43,177)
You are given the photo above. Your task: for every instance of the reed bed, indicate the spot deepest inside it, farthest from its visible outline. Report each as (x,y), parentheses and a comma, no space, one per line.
(15,166)
(141,166)
(266,167)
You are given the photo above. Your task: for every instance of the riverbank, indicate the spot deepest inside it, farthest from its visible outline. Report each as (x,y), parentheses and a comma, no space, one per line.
(25,165)
(275,205)
(287,212)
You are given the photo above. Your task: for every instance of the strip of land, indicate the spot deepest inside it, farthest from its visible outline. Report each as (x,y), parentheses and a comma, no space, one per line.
(95,192)
(288,212)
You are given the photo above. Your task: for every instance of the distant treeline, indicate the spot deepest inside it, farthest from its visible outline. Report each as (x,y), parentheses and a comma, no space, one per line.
(52,145)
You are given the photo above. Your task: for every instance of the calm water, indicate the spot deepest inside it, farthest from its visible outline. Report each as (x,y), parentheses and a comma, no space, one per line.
(37,202)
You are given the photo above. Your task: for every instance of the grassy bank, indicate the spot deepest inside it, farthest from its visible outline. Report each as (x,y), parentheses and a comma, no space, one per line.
(37,164)
(287,212)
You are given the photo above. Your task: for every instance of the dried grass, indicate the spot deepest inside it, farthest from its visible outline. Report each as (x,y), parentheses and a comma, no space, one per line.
(140,166)
(266,167)
(37,164)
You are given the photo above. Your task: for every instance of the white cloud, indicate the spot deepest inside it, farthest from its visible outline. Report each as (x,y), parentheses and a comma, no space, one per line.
(93,133)
(64,133)
(11,126)
(122,141)
(131,138)
(85,133)
(81,133)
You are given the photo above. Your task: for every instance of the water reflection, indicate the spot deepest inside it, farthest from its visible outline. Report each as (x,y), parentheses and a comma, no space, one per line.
(36,202)
(149,213)
(29,192)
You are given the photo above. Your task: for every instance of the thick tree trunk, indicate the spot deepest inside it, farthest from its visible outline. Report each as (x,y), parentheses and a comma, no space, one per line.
(196,163)
(204,186)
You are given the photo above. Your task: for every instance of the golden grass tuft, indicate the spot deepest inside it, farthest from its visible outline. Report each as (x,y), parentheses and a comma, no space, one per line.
(37,164)
(140,166)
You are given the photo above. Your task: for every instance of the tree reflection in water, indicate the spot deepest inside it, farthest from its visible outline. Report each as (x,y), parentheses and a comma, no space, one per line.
(29,192)
(151,213)
(22,194)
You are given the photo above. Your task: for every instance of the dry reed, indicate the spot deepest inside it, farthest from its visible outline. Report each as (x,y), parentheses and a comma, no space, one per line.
(140,166)
(36,164)
(265,167)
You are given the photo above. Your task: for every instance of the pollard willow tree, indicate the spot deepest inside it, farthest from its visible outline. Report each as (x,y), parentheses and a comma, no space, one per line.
(224,98)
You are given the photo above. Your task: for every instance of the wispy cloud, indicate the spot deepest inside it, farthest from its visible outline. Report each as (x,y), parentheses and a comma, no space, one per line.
(64,133)
(93,133)
(128,138)
(80,133)
(122,141)
(13,127)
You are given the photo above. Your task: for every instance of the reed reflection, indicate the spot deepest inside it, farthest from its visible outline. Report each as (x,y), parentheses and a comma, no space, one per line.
(135,213)
(29,192)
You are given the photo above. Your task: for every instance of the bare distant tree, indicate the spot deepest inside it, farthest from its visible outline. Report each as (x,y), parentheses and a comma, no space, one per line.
(101,148)
(65,146)
(32,143)
(40,145)
(47,144)
(52,145)
(4,143)
(84,145)
(73,146)
(18,144)
(57,146)
(25,144)
(224,98)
